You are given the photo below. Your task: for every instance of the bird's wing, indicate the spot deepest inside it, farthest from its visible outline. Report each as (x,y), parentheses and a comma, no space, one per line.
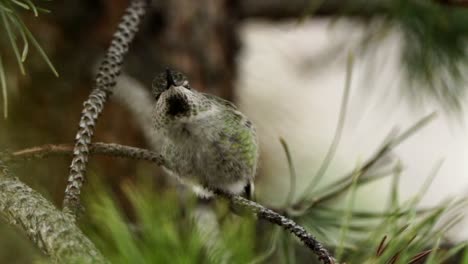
(220,100)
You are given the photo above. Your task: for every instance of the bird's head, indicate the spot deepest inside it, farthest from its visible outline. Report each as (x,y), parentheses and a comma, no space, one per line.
(175,99)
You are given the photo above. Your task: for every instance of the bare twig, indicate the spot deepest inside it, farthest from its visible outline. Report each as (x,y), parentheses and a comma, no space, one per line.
(50,229)
(108,149)
(105,81)
(143,154)
(273,217)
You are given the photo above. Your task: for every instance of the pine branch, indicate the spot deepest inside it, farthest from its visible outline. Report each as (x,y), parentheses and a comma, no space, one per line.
(48,228)
(142,154)
(105,80)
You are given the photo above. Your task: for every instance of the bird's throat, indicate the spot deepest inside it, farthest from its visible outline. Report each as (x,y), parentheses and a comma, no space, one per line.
(177,106)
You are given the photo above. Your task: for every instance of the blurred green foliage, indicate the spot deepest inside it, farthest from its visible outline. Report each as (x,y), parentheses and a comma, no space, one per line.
(160,229)
(435,46)
(434,38)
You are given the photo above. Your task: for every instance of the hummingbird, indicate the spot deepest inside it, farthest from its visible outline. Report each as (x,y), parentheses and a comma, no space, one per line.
(206,141)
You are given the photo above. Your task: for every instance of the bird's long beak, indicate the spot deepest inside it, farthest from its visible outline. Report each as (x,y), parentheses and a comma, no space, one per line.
(169,79)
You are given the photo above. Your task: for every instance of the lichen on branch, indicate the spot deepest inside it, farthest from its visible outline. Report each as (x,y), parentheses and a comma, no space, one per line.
(52,231)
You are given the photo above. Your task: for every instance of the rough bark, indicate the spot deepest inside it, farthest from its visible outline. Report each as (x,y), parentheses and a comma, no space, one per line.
(51,230)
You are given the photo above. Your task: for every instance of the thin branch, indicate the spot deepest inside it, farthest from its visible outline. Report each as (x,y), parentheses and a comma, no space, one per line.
(105,81)
(273,217)
(108,149)
(49,229)
(142,154)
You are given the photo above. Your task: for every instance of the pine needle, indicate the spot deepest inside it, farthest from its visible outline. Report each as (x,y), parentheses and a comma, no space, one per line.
(339,128)
(38,47)
(21,4)
(292,173)
(4,89)
(12,38)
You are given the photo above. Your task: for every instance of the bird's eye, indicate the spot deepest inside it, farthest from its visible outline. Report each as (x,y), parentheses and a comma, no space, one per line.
(186,85)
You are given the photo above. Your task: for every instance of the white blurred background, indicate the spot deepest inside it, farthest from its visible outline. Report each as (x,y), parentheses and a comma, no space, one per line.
(292,78)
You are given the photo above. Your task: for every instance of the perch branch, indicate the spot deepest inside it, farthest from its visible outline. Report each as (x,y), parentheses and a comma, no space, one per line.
(51,230)
(287,224)
(143,154)
(108,149)
(109,69)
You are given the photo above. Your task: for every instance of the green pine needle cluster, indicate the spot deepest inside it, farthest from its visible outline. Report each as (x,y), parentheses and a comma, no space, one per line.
(401,232)
(160,229)
(435,41)
(435,47)
(17,38)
